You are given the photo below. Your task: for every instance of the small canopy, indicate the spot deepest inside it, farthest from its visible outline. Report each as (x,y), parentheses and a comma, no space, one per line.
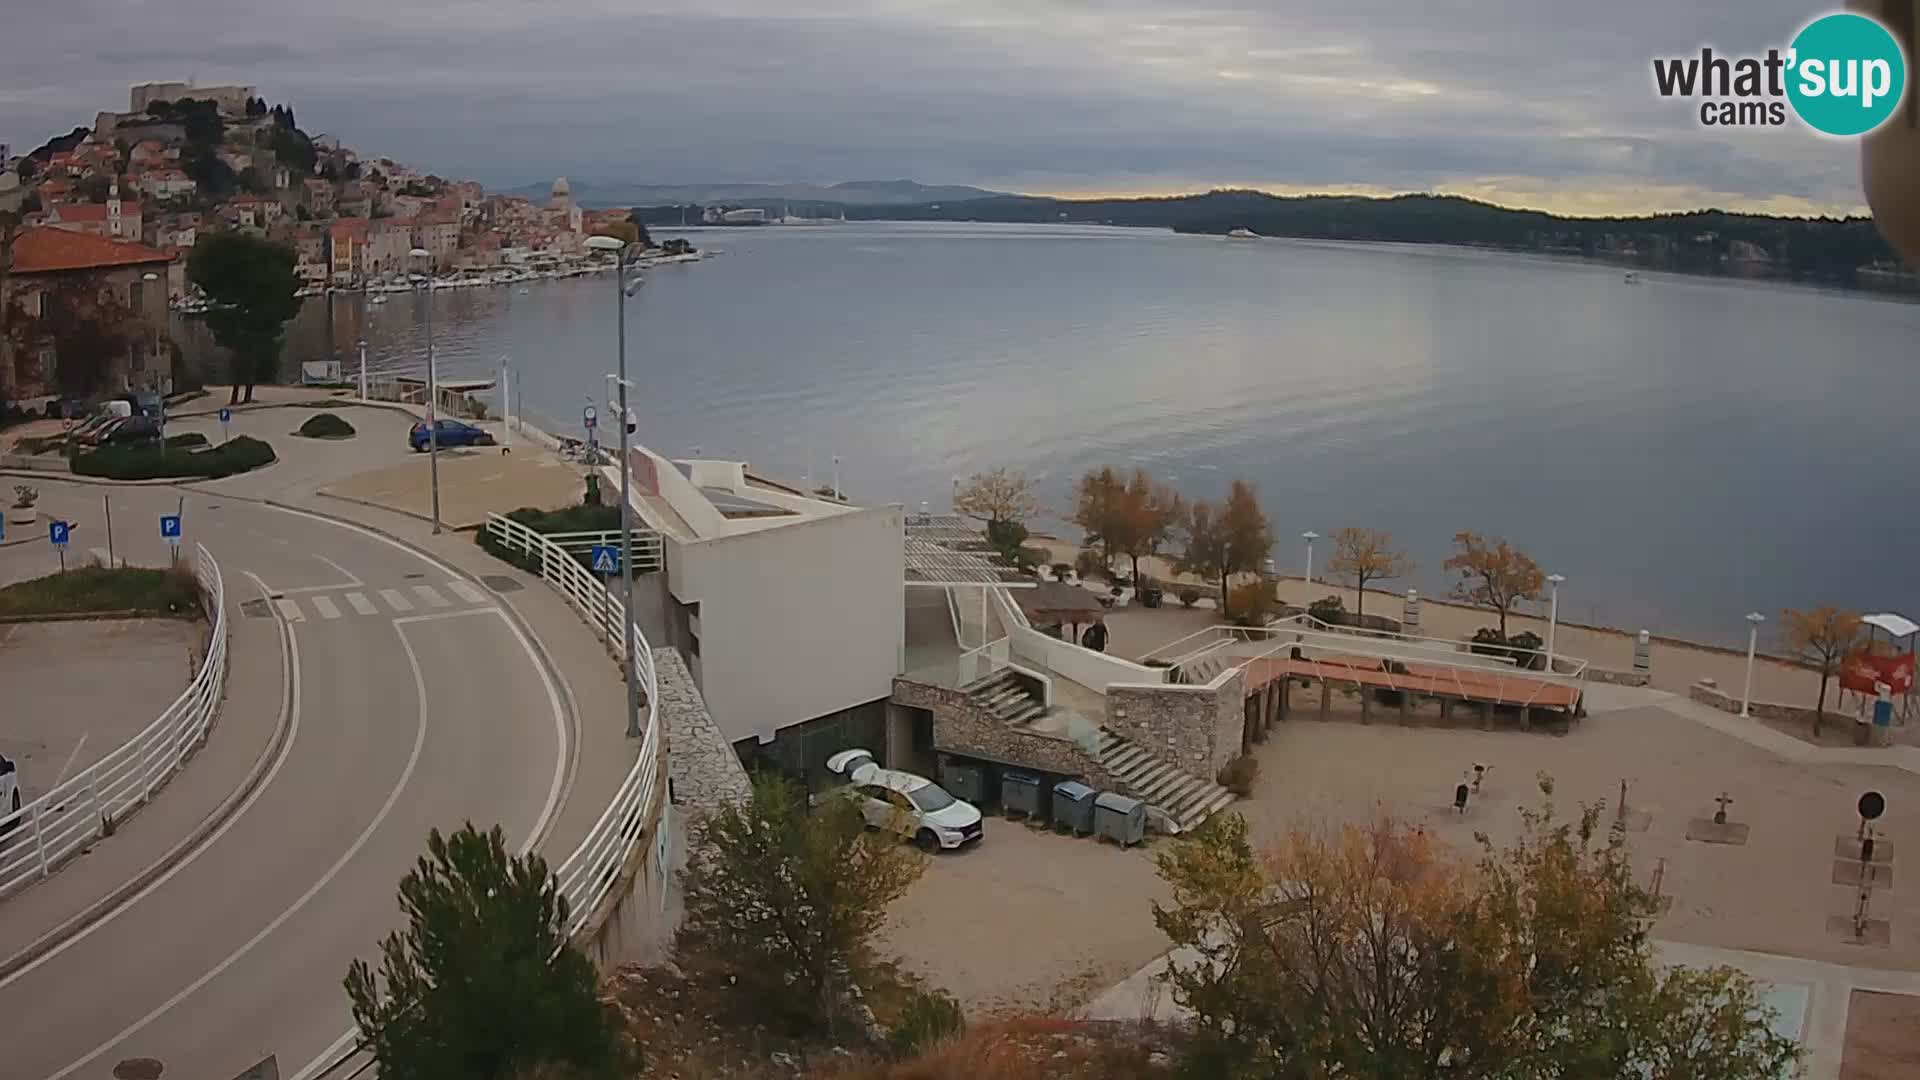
(931,564)
(1896,625)
(1057,602)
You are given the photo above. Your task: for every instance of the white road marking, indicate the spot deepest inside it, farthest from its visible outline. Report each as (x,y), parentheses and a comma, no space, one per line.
(431,596)
(71,758)
(289,610)
(466,592)
(396,600)
(361,605)
(290,715)
(344,572)
(324,605)
(406,774)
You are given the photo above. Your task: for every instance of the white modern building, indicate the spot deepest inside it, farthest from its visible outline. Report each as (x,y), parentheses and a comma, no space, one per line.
(789,607)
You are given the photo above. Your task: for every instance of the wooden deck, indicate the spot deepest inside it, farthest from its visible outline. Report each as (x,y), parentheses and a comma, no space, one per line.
(1459,683)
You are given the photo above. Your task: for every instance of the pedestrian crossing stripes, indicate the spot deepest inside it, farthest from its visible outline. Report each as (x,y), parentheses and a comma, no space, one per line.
(348,604)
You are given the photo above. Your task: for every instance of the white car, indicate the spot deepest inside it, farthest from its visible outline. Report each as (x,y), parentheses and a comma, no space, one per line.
(9,792)
(907,804)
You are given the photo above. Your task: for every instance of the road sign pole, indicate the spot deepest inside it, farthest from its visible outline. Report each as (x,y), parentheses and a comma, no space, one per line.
(108,500)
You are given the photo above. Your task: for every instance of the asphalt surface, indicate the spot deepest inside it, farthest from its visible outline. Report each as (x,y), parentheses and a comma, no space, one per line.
(414,703)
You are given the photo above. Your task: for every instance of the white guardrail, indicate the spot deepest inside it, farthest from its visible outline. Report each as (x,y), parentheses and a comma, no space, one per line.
(40,834)
(588,874)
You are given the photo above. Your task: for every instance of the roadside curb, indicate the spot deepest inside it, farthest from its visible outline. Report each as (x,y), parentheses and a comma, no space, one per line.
(93,912)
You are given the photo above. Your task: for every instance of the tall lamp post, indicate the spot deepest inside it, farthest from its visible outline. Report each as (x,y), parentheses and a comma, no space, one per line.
(1306,590)
(1553,615)
(621,290)
(1754,619)
(424,259)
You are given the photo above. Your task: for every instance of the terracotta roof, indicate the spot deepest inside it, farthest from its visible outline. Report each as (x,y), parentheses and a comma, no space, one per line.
(82,211)
(45,249)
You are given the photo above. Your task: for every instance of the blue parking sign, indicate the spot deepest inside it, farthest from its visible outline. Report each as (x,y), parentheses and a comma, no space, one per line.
(169,526)
(57,533)
(606,559)
(226,415)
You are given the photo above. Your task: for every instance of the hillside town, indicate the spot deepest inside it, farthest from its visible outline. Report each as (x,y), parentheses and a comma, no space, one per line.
(123,202)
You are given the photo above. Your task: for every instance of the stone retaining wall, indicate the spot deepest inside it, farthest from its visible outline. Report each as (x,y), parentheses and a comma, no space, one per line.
(1707,694)
(1196,728)
(963,727)
(1622,678)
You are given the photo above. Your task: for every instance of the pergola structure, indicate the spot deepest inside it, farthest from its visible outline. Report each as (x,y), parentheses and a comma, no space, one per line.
(936,557)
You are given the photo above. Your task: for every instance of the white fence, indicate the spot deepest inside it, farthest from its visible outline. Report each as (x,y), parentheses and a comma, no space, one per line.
(37,837)
(588,874)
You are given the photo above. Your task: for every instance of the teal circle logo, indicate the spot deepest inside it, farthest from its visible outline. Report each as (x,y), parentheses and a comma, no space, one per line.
(1847,74)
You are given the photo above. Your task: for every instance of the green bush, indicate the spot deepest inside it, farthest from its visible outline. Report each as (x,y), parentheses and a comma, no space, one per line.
(588,517)
(187,441)
(237,455)
(1239,774)
(95,589)
(927,1019)
(1189,596)
(325,426)
(1525,648)
(1329,609)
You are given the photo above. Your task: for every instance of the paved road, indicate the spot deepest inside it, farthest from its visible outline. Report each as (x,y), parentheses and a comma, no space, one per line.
(415,704)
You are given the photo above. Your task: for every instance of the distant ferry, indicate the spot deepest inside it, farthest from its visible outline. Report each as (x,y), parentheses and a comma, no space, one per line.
(1243,234)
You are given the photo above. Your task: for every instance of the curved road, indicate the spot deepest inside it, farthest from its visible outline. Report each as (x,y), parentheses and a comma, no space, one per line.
(413,703)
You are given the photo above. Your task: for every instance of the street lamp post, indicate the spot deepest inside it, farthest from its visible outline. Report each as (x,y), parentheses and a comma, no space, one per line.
(620,293)
(425,257)
(1306,593)
(1754,619)
(1553,615)
(362,346)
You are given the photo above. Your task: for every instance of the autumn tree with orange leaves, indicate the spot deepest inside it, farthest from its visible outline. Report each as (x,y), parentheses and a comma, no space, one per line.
(1821,638)
(1370,951)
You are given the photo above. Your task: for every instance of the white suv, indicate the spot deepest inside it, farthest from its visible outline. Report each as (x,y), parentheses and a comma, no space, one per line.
(9,793)
(907,804)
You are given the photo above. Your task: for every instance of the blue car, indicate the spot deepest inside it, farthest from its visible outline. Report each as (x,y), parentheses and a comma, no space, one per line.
(450,433)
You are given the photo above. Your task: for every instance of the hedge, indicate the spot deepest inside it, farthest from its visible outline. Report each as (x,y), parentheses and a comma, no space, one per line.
(237,455)
(588,517)
(325,426)
(96,589)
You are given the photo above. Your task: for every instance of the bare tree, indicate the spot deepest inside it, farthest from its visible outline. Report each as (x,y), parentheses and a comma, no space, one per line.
(997,495)
(1821,637)
(1363,555)
(1494,575)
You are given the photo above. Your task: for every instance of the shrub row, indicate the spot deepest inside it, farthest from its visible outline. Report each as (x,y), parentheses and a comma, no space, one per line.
(237,455)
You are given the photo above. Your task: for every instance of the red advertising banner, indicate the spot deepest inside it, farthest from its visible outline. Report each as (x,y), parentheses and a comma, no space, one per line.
(1860,673)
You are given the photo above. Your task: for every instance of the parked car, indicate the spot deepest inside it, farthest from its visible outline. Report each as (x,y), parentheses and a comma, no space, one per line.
(69,408)
(133,431)
(910,805)
(450,433)
(96,434)
(9,793)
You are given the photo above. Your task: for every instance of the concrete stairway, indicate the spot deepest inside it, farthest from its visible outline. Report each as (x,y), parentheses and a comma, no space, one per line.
(1006,697)
(1189,799)
(1201,671)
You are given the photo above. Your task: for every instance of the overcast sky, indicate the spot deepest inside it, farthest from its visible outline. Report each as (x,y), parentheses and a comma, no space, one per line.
(1544,103)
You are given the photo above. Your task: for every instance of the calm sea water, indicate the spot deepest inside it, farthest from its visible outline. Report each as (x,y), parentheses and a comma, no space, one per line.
(1684,449)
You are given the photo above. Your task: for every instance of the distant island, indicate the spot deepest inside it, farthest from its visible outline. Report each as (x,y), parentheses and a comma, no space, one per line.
(1837,251)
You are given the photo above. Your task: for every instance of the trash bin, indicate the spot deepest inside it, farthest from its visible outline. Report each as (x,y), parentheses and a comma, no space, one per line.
(1120,819)
(1073,806)
(1023,793)
(964,781)
(1151,596)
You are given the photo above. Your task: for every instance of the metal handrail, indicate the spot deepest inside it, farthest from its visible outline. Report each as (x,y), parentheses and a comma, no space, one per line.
(73,813)
(588,874)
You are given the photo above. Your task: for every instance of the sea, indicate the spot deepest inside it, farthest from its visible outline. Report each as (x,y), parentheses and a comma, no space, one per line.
(1683,449)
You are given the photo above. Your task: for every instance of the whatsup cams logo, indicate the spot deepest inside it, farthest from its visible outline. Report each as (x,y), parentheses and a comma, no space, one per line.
(1844,74)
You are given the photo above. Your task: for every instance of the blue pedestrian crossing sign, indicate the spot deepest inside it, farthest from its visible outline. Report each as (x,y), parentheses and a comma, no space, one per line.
(169,526)
(606,559)
(57,533)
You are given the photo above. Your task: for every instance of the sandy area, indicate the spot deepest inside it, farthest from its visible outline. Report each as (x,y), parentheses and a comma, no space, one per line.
(1772,894)
(1883,1037)
(1028,921)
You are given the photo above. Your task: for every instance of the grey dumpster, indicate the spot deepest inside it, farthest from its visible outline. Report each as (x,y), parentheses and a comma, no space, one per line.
(1073,806)
(964,781)
(1023,793)
(1120,819)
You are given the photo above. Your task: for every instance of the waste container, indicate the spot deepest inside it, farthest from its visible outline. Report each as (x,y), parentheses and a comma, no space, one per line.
(1073,806)
(1120,819)
(1151,596)
(1023,793)
(964,781)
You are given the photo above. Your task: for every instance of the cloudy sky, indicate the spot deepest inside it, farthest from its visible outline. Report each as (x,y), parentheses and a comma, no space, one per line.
(1545,103)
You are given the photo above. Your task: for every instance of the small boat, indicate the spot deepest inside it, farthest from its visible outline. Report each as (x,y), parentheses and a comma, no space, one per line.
(1242,234)
(1632,278)
(378,298)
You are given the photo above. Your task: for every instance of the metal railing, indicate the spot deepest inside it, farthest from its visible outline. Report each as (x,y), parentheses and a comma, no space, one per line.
(588,875)
(647,550)
(74,812)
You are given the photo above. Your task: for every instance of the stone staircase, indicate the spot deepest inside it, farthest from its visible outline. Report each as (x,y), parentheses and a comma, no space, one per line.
(1187,798)
(1006,697)
(1200,672)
